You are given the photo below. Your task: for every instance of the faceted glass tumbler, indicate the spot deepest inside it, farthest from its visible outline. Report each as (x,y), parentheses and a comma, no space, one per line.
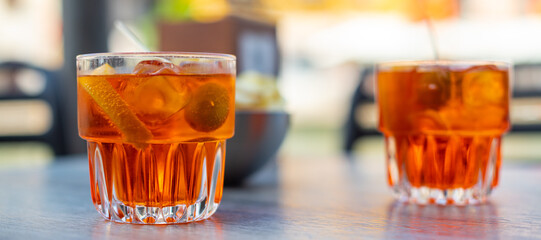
(156,126)
(443,123)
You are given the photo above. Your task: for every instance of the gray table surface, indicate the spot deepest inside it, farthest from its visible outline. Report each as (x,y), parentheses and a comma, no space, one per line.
(317,197)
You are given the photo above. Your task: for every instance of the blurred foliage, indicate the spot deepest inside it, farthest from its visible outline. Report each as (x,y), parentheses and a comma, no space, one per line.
(187,10)
(147,26)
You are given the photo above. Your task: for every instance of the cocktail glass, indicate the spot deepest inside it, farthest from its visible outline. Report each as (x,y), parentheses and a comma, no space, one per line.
(155,126)
(443,123)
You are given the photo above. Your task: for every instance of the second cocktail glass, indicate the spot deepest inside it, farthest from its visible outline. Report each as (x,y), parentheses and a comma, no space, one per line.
(443,122)
(156,125)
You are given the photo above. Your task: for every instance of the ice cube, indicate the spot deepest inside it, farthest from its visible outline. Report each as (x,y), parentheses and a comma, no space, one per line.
(156,99)
(208,108)
(484,86)
(153,67)
(198,67)
(433,88)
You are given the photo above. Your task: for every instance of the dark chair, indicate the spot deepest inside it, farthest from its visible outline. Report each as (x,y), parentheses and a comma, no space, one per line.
(361,104)
(526,102)
(29,107)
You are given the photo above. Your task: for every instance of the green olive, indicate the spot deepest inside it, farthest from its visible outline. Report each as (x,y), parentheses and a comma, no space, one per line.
(208,109)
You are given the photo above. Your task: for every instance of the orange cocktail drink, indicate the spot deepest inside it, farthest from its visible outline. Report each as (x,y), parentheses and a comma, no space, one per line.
(156,125)
(443,122)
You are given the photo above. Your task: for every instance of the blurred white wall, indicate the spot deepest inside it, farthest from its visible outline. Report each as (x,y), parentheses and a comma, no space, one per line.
(31,31)
(323,53)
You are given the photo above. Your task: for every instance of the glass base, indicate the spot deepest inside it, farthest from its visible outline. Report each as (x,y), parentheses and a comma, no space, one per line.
(160,184)
(444,170)
(118,212)
(425,195)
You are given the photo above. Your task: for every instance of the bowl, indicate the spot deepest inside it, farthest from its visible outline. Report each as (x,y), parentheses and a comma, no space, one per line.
(258,136)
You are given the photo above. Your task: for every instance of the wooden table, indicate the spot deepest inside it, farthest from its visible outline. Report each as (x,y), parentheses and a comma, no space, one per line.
(312,198)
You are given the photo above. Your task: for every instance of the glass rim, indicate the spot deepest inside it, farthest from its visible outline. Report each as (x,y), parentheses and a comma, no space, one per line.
(416,63)
(159,54)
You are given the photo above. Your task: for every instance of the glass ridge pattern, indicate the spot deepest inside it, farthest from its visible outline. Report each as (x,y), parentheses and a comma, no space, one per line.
(137,186)
(442,122)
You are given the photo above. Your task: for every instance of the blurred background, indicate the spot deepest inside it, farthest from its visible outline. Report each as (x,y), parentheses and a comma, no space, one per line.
(320,53)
